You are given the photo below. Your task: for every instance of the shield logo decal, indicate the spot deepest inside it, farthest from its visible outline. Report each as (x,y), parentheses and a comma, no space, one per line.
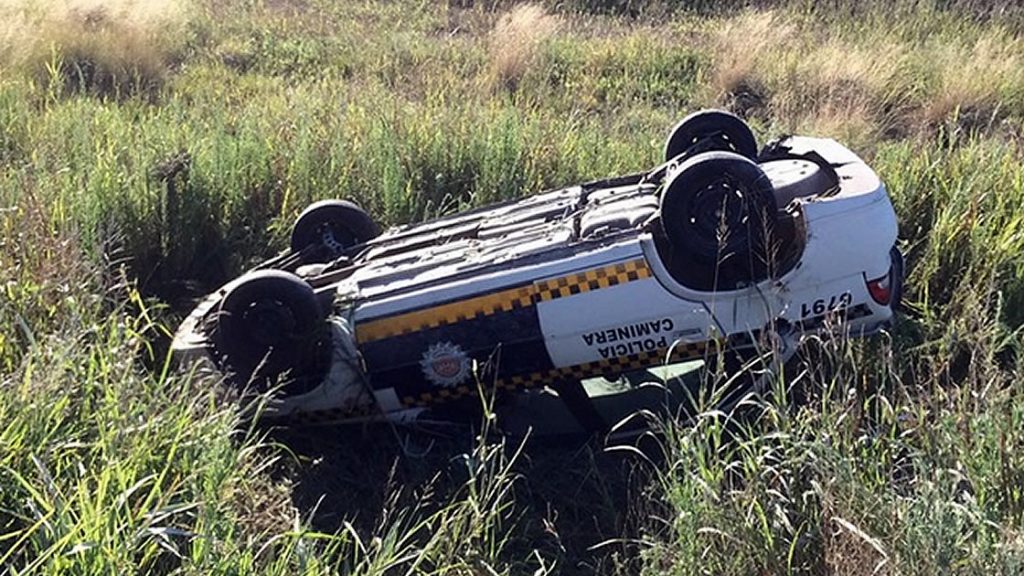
(445,364)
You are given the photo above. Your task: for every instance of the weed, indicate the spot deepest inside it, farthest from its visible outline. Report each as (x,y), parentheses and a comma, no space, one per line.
(516,42)
(150,152)
(108,48)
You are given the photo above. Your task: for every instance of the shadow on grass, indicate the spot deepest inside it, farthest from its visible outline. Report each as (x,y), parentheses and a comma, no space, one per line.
(570,495)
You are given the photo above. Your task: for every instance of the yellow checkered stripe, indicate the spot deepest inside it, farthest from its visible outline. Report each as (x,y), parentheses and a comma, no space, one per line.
(592,280)
(603,367)
(503,301)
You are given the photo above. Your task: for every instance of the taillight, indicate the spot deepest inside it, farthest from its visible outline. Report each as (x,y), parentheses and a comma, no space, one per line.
(880,290)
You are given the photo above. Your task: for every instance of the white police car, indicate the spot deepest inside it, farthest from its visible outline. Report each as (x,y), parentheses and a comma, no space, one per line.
(711,251)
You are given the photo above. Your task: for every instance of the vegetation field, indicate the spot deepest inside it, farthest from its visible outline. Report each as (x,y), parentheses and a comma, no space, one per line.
(150,150)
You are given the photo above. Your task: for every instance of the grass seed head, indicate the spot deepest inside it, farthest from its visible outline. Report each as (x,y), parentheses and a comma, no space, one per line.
(976,82)
(516,42)
(741,46)
(109,47)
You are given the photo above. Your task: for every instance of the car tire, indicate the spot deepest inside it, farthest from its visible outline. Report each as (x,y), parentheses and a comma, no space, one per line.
(719,207)
(334,225)
(711,130)
(268,324)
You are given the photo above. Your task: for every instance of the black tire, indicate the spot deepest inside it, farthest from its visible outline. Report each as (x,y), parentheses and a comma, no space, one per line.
(717,192)
(711,130)
(334,225)
(267,325)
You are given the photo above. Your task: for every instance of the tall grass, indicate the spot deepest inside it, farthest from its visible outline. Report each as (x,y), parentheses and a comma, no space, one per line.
(148,155)
(886,468)
(106,466)
(104,47)
(515,42)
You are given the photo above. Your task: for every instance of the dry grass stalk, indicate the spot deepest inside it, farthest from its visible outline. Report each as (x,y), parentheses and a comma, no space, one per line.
(974,80)
(765,66)
(516,42)
(849,550)
(105,46)
(741,47)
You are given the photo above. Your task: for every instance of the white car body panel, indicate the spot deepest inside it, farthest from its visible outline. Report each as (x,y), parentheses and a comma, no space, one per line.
(424,298)
(621,320)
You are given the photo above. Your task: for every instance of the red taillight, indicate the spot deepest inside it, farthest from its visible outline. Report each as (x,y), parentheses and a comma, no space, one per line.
(880,290)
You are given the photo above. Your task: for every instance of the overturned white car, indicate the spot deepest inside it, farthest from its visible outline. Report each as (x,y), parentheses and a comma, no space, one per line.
(522,301)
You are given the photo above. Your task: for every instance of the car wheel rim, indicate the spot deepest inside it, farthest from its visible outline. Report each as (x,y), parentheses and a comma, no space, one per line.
(719,209)
(335,240)
(269,322)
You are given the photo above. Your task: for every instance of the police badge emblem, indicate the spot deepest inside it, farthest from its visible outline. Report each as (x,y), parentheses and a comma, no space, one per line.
(445,364)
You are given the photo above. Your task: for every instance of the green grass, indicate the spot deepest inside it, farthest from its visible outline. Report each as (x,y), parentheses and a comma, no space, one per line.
(146,157)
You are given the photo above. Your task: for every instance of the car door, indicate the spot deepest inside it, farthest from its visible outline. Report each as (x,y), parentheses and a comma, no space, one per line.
(615,317)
